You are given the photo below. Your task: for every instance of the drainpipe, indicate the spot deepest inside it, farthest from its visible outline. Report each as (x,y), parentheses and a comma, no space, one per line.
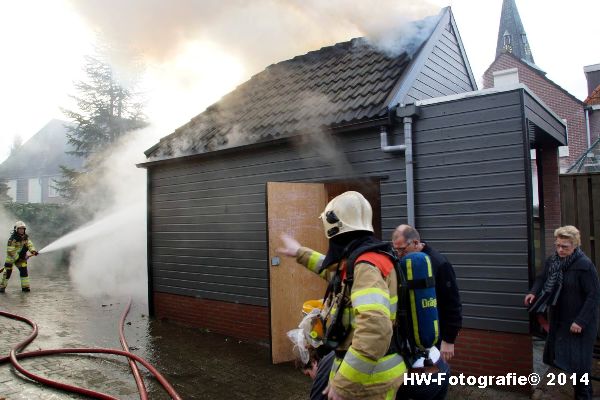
(406,113)
(587,125)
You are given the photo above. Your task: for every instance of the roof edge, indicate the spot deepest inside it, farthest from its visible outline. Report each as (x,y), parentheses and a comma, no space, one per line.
(462,50)
(579,162)
(538,72)
(484,92)
(352,126)
(408,77)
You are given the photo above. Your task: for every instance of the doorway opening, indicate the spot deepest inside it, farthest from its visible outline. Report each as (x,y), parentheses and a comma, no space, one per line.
(293,209)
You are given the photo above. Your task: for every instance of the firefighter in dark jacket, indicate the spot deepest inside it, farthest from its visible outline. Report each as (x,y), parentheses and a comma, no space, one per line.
(17,248)
(364,366)
(569,291)
(406,239)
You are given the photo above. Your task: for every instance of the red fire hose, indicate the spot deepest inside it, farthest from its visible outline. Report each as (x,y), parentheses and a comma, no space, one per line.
(14,356)
(134,369)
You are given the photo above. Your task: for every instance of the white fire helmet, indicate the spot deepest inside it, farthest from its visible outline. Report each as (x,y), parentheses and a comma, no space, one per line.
(348,212)
(20,224)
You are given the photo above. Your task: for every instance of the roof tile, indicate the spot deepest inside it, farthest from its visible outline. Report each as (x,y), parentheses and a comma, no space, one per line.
(594,97)
(330,86)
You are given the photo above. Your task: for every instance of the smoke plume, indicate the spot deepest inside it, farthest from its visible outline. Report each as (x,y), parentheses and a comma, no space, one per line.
(257,32)
(109,257)
(7,221)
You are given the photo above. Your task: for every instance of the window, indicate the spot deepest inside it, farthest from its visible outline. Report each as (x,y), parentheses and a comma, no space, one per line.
(507,45)
(51,187)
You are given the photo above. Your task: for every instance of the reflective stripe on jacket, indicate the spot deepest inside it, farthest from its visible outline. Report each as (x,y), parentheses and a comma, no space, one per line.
(365,371)
(14,247)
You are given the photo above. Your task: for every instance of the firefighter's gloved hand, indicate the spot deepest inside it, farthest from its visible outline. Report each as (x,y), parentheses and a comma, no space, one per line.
(34,253)
(290,246)
(7,265)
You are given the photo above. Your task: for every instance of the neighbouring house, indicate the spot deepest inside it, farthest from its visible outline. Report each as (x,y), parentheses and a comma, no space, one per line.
(29,172)
(592,102)
(514,63)
(408,130)
(589,161)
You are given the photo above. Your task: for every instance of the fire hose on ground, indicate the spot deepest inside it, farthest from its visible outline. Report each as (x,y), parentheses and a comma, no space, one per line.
(15,355)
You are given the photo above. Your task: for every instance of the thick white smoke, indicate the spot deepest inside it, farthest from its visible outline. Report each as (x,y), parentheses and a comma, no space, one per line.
(109,257)
(255,34)
(7,222)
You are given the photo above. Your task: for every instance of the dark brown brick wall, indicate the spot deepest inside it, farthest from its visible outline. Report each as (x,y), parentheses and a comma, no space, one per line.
(551,192)
(241,321)
(479,352)
(558,101)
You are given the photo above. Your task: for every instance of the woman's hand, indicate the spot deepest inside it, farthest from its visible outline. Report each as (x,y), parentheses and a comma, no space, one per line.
(447,350)
(529,299)
(576,328)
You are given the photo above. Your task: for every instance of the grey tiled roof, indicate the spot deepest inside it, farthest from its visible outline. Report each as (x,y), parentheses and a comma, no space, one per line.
(42,154)
(333,86)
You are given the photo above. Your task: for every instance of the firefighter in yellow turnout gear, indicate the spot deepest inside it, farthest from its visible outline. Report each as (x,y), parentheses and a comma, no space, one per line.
(16,254)
(364,366)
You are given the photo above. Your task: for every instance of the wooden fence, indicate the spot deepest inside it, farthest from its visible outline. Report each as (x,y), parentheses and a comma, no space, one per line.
(580,206)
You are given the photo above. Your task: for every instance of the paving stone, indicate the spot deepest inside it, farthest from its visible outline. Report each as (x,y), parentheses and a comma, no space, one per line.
(200,365)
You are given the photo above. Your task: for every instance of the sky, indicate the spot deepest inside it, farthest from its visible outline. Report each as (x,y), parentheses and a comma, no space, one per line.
(193,52)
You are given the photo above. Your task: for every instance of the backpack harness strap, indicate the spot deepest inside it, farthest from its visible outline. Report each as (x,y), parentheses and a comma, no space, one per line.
(378,260)
(422,283)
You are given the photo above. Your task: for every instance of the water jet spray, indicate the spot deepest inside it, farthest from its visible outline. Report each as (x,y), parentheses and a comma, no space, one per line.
(103,226)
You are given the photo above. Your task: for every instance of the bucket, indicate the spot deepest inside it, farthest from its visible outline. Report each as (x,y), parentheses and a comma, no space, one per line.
(310,305)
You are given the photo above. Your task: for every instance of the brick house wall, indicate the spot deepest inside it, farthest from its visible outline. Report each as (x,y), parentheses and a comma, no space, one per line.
(478,352)
(551,193)
(241,321)
(557,99)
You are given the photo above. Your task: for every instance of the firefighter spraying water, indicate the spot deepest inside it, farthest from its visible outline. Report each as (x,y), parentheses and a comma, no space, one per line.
(18,249)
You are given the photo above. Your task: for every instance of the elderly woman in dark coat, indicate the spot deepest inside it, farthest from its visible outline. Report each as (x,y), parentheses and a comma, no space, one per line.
(569,291)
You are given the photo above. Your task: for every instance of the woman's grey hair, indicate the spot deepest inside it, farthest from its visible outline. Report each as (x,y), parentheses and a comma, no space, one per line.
(569,232)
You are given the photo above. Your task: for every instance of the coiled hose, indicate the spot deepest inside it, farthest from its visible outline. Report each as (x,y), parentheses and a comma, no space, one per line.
(132,358)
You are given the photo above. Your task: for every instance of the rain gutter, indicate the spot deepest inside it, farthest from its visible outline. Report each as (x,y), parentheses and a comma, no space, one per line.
(407,114)
(586,110)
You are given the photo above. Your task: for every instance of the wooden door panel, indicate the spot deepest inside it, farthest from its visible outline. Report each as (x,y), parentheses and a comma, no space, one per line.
(292,208)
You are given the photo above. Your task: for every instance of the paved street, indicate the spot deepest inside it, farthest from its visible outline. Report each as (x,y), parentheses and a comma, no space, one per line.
(199,364)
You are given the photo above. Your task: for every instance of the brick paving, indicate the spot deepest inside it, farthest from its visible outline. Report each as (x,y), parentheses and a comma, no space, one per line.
(64,320)
(200,365)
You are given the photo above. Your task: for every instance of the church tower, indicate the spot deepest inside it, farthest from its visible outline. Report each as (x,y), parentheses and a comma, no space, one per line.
(511,34)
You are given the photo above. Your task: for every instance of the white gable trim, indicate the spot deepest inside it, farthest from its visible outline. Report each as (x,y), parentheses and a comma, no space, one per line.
(408,78)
